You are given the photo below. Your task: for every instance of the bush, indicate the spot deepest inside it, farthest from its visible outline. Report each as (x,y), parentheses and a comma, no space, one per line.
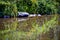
(31,6)
(38,6)
(8,8)
(47,7)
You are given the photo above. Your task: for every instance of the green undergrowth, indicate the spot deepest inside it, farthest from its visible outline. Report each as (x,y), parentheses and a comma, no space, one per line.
(37,30)
(12,34)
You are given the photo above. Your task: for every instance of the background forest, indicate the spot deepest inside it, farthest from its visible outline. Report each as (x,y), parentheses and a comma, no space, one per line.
(11,7)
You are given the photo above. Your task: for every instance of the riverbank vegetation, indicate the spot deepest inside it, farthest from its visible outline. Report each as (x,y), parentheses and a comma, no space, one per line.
(29,31)
(11,7)
(34,28)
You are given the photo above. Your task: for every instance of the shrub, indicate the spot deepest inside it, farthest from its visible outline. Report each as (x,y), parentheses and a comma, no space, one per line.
(8,8)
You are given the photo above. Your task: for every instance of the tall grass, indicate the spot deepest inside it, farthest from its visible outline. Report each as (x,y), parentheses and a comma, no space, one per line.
(33,34)
(40,30)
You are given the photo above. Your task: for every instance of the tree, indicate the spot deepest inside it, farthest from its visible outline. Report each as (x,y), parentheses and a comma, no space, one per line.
(26,5)
(10,7)
(31,6)
(47,7)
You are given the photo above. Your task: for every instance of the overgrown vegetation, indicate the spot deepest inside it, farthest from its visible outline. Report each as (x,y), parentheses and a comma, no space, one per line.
(8,8)
(11,32)
(31,6)
(30,29)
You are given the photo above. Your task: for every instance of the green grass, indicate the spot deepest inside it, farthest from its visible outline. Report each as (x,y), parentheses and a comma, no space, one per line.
(12,34)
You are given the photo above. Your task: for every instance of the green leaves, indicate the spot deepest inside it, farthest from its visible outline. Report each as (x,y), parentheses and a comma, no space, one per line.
(31,6)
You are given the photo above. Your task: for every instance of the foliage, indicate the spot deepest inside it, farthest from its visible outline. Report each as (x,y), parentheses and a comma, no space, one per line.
(12,34)
(2,7)
(58,6)
(30,6)
(47,7)
(38,6)
(9,8)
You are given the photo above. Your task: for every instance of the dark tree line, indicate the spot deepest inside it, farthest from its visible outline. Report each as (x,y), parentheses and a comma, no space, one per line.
(11,7)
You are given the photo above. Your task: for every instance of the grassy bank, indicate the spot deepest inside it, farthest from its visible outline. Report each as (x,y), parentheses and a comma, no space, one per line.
(28,30)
